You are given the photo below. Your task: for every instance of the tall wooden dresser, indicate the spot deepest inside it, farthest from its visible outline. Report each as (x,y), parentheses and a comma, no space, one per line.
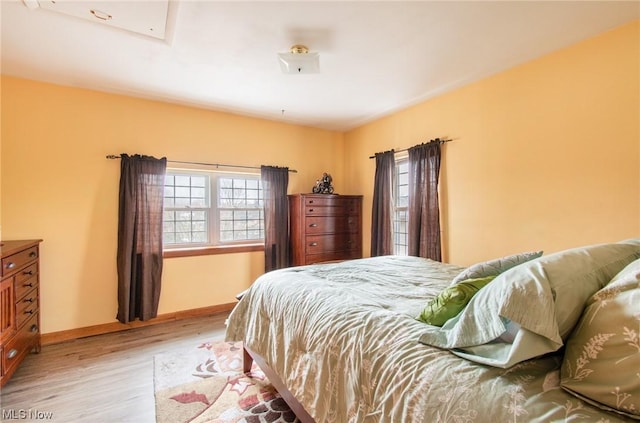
(325,227)
(20,304)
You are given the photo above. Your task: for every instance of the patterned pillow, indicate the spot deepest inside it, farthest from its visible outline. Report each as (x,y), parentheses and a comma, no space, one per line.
(495,267)
(602,359)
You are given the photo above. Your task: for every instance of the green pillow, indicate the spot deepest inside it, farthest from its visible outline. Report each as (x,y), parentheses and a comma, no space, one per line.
(450,302)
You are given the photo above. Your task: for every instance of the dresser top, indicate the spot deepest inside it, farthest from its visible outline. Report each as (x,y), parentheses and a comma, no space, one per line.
(11,247)
(325,195)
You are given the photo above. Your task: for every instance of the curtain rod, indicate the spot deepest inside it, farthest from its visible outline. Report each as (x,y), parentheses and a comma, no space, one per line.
(405,149)
(117,156)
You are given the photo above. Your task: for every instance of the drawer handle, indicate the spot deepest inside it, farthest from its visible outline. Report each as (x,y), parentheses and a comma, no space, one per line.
(34,328)
(10,265)
(313,244)
(310,201)
(12,353)
(313,225)
(32,254)
(28,285)
(28,300)
(28,312)
(310,210)
(28,272)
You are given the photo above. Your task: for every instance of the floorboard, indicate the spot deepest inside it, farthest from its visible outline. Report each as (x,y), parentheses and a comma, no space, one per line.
(104,378)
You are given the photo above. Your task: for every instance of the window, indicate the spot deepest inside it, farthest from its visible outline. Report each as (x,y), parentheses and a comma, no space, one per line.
(212,209)
(401,190)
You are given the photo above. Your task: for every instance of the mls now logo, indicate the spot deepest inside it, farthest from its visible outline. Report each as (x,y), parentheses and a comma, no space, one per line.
(22,414)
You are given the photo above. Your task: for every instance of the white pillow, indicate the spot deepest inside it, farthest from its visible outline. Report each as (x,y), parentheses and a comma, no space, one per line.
(495,267)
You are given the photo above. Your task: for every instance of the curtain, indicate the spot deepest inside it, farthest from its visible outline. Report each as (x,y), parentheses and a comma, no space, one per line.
(382,213)
(139,258)
(275,181)
(424,210)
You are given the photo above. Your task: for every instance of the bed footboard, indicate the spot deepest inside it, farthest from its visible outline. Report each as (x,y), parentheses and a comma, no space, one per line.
(249,357)
(247,360)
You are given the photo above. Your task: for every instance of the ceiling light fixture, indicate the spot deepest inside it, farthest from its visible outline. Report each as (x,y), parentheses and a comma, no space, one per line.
(299,60)
(101,15)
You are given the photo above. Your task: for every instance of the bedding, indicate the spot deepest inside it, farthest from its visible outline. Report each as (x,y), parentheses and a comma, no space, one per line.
(602,359)
(343,338)
(544,297)
(495,266)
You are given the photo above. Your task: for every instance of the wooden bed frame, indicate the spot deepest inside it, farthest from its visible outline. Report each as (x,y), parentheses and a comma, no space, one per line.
(248,357)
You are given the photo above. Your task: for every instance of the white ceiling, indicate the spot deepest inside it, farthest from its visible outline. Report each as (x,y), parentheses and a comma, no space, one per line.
(375,57)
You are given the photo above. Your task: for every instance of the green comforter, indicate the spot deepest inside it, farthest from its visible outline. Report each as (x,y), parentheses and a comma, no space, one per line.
(344,339)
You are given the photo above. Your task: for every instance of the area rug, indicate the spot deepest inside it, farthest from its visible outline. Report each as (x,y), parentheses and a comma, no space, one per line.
(206,384)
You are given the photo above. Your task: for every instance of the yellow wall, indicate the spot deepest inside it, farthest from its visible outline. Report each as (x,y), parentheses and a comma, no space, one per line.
(58,186)
(546,155)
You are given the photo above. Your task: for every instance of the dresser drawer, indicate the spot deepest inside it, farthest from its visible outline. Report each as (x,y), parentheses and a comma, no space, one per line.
(13,262)
(27,273)
(329,224)
(344,208)
(323,200)
(325,211)
(332,256)
(27,307)
(20,345)
(316,244)
(331,200)
(332,211)
(23,286)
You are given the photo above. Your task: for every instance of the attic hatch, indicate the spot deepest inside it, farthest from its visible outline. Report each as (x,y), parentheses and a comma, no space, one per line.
(142,17)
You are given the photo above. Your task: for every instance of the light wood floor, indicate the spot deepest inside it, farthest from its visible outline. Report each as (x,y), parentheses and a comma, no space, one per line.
(105,378)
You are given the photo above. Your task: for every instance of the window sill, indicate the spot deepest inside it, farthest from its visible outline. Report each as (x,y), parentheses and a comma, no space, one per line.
(207,251)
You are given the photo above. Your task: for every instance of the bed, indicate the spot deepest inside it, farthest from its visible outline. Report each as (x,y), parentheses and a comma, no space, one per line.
(341,341)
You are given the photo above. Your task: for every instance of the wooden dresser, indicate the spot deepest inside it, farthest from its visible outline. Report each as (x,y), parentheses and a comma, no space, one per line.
(19,301)
(325,227)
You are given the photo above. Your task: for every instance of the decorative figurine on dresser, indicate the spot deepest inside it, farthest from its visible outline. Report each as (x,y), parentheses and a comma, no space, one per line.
(20,304)
(323,185)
